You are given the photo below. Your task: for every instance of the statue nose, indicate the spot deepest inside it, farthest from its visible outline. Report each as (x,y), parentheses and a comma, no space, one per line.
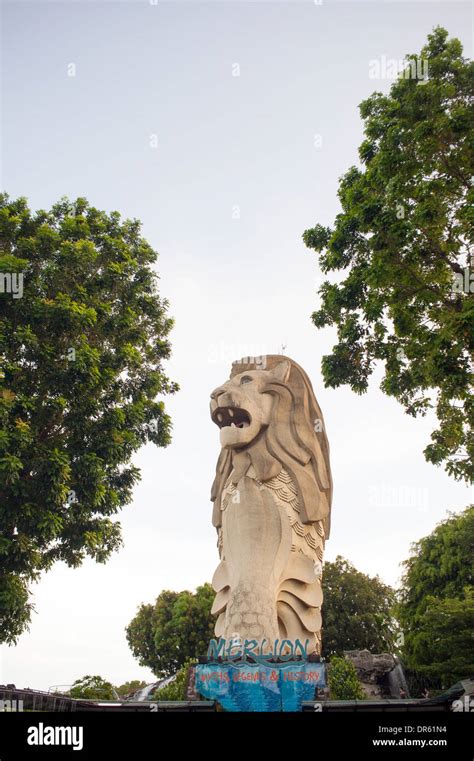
(217,392)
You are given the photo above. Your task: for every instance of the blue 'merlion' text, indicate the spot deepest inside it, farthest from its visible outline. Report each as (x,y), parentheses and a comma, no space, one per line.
(251,649)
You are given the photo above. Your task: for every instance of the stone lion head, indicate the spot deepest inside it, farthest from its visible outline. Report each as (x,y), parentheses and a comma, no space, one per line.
(269,418)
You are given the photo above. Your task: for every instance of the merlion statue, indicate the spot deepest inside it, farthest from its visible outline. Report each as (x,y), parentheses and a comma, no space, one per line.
(272,501)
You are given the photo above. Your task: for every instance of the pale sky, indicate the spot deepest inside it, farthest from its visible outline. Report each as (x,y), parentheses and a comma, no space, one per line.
(243,165)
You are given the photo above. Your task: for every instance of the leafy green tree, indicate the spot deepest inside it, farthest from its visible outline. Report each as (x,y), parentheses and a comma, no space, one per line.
(127,688)
(343,680)
(15,608)
(404,242)
(436,609)
(176,690)
(357,611)
(177,627)
(357,614)
(81,355)
(443,648)
(93,688)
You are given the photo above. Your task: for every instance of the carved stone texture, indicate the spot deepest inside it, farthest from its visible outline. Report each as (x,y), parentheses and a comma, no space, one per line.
(380,674)
(272,501)
(370,667)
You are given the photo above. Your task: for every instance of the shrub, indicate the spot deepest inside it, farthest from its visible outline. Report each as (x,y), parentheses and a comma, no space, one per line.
(343,680)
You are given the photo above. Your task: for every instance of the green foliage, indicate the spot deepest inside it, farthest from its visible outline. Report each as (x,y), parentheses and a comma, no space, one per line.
(15,609)
(177,627)
(176,690)
(443,648)
(130,687)
(357,614)
(436,609)
(81,358)
(343,680)
(92,688)
(357,611)
(402,237)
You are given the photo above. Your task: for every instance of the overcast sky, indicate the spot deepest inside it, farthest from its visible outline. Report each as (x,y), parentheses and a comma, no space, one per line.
(252,107)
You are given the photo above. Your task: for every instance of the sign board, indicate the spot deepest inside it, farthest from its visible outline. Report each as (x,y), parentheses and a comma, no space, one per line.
(260,687)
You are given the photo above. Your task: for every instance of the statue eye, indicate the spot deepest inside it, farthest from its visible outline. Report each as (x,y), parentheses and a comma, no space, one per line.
(245,379)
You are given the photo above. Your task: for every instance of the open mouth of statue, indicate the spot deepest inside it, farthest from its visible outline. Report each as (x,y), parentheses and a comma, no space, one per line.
(232,417)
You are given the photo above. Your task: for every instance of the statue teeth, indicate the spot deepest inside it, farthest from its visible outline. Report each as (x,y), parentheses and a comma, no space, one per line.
(219,417)
(233,425)
(231,412)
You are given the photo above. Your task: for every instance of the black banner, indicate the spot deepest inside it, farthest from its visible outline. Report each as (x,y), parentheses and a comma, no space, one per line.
(149,734)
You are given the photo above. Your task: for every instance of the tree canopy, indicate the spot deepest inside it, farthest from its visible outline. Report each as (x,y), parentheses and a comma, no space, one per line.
(357,611)
(403,241)
(357,614)
(93,688)
(81,369)
(436,609)
(177,688)
(128,688)
(178,627)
